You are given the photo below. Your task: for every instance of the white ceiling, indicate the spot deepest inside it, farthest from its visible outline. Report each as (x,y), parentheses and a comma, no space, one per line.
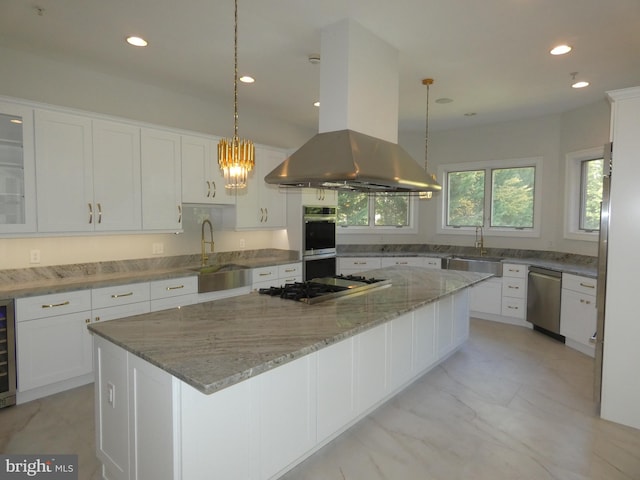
(490,56)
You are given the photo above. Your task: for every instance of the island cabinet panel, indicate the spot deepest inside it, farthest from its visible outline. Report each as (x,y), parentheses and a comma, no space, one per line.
(400,350)
(460,317)
(336,383)
(444,331)
(286,399)
(372,376)
(216,433)
(424,337)
(111,409)
(151,425)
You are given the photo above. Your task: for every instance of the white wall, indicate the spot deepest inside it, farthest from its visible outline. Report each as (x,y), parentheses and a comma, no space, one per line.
(49,81)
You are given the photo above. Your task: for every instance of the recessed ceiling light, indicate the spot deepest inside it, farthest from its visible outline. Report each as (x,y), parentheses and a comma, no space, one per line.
(316,104)
(444,100)
(581,84)
(137,41)
(560,50)
(247,79)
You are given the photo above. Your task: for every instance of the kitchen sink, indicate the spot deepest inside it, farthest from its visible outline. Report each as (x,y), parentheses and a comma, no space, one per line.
(476,264)
(212,278)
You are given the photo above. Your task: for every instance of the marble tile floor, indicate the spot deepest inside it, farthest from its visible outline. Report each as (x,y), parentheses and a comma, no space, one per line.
(511,404)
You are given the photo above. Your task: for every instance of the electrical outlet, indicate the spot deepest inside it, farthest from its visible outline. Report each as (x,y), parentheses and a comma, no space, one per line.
(157,248)
(242,244)
(34,256)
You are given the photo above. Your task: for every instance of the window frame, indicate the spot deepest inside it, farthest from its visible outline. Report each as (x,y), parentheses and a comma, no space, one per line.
(386,229)
(573,194)
(489,166)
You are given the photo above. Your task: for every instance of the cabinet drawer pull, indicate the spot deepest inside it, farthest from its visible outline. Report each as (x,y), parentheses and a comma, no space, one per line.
(289,270)
(586,285)
(512,307)
(87,320)
(514,287)
(588,302)
(265,274)
(53,305)
(359,263)
(402,263)
(97,319)
(177,287)
(99,213)
(515,270)
(118,295)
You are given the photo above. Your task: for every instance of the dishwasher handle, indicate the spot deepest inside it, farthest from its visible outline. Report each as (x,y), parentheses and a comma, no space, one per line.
(545,271)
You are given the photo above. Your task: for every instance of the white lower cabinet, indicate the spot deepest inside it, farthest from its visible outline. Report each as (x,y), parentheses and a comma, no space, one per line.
(336,388)
(578,312)
(276,275)
(173,293)
(261,427)
(52,341)
(353,265)
(286,402)
(486,297)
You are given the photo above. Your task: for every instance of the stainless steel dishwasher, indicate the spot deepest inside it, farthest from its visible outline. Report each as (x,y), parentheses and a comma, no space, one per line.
(543,300)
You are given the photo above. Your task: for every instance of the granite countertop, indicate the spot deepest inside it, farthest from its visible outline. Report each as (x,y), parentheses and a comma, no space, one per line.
(213,345)
(29,282)
(562,262)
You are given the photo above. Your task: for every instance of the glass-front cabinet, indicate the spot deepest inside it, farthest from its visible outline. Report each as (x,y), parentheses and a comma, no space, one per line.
(17,169)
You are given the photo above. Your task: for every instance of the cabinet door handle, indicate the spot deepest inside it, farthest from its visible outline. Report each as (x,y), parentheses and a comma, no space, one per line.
(586,285)
(215,189)
(208,189)
(99,213)
(179,213)
(119,295)
(177,287)
(261,215)
(54,305)
(90,213)
(266,215)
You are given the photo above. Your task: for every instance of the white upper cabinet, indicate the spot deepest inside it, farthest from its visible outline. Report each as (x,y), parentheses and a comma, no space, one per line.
(261,205)
(64,172)
(202,180)
(319,196)
(161,180)
(88,174)
(17,169)
(116,176)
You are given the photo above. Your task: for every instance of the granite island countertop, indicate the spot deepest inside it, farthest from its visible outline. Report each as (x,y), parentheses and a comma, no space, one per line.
(214,345)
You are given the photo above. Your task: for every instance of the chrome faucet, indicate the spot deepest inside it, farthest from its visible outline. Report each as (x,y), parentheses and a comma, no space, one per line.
(205,257)
(480,243)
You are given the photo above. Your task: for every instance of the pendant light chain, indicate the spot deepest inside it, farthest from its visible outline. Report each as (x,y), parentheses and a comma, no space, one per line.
(236,157)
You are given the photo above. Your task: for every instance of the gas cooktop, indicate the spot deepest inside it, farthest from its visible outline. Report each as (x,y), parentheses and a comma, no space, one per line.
(321,289)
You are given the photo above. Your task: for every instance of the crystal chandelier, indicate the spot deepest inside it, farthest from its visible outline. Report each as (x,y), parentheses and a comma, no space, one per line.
(236,157)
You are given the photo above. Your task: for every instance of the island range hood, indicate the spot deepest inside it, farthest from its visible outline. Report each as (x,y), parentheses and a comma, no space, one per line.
(356,148)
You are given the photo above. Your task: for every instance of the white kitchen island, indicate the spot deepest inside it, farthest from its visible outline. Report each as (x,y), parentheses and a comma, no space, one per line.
(247,387)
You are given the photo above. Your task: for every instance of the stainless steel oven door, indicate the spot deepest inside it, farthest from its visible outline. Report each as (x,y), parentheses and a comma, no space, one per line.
(319,266)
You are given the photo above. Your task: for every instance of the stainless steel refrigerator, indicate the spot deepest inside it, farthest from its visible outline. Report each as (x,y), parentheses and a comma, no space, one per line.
(601,292)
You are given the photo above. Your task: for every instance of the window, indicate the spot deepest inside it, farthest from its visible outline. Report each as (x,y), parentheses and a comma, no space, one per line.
(500,196)
(376,212)
(583,186)
(590,194)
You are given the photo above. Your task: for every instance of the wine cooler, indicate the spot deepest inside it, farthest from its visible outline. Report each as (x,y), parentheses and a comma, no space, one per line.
(7,354)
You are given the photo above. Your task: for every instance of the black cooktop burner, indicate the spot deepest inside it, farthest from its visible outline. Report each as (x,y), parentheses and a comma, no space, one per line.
(331,287)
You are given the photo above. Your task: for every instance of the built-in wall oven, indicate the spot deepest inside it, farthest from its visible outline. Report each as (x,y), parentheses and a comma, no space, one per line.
(319,237)
(7,354)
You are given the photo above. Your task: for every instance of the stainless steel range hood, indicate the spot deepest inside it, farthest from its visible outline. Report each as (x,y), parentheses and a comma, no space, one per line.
(356,148)
(350,160)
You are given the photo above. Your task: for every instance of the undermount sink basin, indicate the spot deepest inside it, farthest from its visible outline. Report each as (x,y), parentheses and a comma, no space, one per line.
(476,264)
(212,278)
